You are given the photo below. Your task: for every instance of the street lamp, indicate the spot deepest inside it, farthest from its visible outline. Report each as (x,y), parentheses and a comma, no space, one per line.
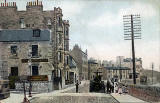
(23,79)
(30,64)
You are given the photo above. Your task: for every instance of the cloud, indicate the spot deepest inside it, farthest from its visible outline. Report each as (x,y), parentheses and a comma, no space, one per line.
(107,19)
(111,19)
(71,8)
(146,10)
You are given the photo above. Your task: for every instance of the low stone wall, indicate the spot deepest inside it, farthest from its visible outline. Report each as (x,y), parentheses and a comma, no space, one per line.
(146,93)
(37,86)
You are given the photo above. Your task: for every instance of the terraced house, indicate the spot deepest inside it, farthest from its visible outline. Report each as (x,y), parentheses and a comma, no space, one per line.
(36,43)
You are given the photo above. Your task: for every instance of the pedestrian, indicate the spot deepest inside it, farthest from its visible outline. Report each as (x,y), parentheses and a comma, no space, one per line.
(111,86)
(77,84)
(108,86)
(115,87)
(123,89)
(120,90)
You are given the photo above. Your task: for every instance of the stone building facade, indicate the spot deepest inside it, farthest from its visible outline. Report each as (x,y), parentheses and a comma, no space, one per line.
(122,68)
(27,53)
(81,59)
(127,62)
(34,17)
(118,73)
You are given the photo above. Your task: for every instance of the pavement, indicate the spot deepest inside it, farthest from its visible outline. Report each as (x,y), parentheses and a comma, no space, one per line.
(17,97)
(125,98)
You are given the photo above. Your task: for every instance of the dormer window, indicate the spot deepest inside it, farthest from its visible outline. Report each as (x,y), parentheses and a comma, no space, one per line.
(49,22)
(22,24)
(36,33)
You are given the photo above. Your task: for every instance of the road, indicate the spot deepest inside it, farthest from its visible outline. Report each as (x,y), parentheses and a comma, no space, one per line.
(68,95)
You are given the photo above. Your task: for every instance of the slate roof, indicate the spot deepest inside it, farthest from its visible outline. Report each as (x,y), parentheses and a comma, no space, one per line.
(23,35)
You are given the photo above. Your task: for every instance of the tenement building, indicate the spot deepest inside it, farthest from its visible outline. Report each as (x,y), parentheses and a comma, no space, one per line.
(27,53)
(81,58)
(44,33)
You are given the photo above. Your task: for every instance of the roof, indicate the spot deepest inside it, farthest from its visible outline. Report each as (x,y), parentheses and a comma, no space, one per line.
(117,68)
(92,62)
(23,35)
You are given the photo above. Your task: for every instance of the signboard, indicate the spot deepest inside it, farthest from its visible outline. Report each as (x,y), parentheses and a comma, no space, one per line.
(34,60)
(38,78)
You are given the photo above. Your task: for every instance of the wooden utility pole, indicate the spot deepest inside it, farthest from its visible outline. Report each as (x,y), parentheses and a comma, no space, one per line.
(152,72)
(132,29)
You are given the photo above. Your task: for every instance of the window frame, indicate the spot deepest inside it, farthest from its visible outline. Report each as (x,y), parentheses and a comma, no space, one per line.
(34,54)
(15,72)
(36,33)
(33,70)
(13,49)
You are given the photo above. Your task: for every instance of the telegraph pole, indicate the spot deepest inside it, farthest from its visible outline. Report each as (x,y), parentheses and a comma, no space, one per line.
(132,29)
(152,72)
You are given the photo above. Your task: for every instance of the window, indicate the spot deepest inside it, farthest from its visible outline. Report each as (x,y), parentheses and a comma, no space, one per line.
(59,38)
(59,21)
(14,71)
(14,50)
(59,56)
(67,31)
(36,33)
(22,23)
(34,50)
(67,59)
(35,70)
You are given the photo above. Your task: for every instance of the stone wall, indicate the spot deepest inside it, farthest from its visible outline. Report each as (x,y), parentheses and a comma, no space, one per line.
(37,86)
(147,93)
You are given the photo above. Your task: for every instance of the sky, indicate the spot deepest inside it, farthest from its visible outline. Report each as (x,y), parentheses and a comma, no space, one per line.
(97,25)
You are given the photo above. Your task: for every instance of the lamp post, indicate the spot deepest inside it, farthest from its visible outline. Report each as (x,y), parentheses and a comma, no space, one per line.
(30,64)
(23,79)
(25,98)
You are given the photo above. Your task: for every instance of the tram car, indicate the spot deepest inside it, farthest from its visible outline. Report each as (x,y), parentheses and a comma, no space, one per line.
(97,85)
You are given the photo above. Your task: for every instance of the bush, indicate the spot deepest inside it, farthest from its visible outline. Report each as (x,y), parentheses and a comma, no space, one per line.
(12,80)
